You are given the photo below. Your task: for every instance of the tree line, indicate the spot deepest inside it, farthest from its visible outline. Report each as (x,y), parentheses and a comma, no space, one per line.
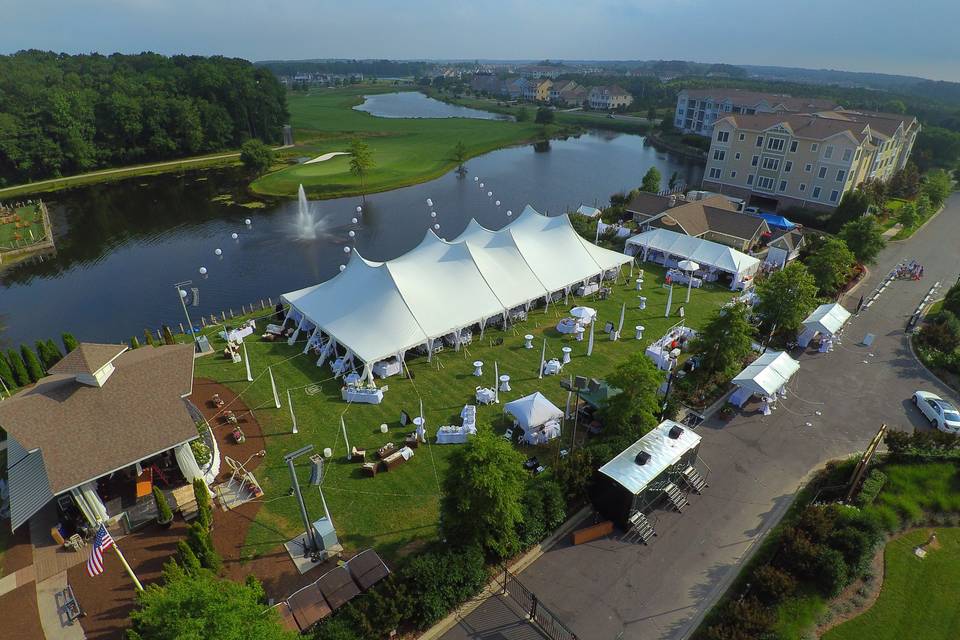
(63,114)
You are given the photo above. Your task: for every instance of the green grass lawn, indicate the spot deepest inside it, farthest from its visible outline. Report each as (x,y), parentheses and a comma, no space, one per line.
(9,232)
(918,599)
(398,509)
(405,150)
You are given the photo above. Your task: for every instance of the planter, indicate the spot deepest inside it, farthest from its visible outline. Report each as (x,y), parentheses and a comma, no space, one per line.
(165,524)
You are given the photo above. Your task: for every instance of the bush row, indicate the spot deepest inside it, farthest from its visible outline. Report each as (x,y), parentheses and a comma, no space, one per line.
(23,367)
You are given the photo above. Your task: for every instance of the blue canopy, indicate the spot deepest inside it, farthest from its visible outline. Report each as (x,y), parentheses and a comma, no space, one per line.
(775,220)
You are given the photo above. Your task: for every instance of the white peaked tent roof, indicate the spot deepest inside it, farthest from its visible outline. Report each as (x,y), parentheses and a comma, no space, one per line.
(766,374)
(707,253)
(664,453)
(502,265)
(532,410)
(827,318)
(380,309)
(586,210)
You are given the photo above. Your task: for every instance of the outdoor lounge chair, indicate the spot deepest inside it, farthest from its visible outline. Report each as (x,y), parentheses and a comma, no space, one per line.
(370,468)
(508,435)
(358,455)
(386,450)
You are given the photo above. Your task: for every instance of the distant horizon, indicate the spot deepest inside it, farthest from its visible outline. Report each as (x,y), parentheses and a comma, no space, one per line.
(817,34)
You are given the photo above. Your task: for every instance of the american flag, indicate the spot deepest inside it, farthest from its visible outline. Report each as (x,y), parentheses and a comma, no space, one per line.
(101,543)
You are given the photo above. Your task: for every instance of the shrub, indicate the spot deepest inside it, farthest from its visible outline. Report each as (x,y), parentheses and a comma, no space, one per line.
(201,452)
(772,585)
(543,510)
(442,580)
(20,374)
(856,546)
(199,540)
(148,337)
(6,373)
(53,352)
(69,342)
(134,343)
(256,156)
(34,369)
(164,514)
(797,554)
(831,573)
(204,507)
(871,486)
(187,558)
(168,335)
(745,619)
(338,627)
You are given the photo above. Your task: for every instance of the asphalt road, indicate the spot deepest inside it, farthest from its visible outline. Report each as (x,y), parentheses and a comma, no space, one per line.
(836,403)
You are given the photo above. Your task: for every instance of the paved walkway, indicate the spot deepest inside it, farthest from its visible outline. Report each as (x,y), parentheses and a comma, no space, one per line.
(837,401)
(56,624)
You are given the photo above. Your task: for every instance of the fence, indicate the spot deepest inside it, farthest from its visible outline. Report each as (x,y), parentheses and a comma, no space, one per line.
(536,612)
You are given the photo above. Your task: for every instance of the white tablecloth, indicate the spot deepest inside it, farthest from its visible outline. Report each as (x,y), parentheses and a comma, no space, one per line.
(485,395)
(453,435)
(387,368)
(552,367)
(543,434)
(567,325)
(368,396)
(586,290)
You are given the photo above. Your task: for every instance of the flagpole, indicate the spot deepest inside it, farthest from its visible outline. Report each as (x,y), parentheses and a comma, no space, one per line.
(126,566)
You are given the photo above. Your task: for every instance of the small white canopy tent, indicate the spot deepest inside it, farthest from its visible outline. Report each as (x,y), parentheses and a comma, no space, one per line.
(672,247)
(532,410)
(588,211)
(765,376)
(827,319)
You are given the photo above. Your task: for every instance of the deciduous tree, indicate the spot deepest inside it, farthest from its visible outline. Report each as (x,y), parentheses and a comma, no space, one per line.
(635,410)
(864,238)
(724,343)
(460,157)
(786,297)
(361,162)
(544,115)
(256,156)
(830,265)
(651,181)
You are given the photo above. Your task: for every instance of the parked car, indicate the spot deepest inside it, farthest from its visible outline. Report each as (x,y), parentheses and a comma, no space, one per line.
(941,414)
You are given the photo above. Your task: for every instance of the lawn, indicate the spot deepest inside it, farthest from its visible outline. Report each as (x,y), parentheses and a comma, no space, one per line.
(918,599)
(399,509)
(405,150)
(17,233)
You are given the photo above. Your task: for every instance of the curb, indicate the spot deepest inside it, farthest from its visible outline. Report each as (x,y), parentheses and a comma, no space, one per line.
(928,221)
(866,274)
(923,366)
(493,587)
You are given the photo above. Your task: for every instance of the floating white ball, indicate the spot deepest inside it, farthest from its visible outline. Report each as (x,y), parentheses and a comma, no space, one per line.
(489,193)
(352,233)
(218,252)
(436,226)
(346,249)
(359,209)
(203,271)
(234,236)
(481,185)
(183,294)
(497,203)
(342,267)
(353,220)
(247,222)
(509,213)
(429,202)
(433,214)
(475,178)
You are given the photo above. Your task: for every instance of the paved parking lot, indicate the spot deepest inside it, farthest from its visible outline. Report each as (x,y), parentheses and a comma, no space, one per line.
(837,401)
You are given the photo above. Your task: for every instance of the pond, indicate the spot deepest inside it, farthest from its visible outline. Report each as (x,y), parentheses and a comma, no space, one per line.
(122,246)
(413,104)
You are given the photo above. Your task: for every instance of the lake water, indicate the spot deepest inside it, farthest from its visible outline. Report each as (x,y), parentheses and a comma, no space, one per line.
(413,104)
(122,246)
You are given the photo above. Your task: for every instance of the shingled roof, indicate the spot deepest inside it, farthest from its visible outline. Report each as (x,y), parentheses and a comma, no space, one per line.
(715,214)
(89,357)
(85,431)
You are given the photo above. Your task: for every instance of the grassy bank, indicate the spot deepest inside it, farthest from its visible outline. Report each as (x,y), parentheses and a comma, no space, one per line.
(406,151)
(397,510)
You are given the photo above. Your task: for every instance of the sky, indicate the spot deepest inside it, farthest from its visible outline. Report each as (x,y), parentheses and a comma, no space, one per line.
(916,38)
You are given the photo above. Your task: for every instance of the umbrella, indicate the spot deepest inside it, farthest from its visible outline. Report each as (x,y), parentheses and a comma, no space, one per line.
(688,265)
(583,313)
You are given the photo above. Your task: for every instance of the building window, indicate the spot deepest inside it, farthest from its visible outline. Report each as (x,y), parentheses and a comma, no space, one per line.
(822,173)
(828,152)
(814,147)
(679,112)
(803,187)
(771,164)
(750,179)
(857,155)
(793,146)
(715,173)
(754,161)
(834,195)
(765,183)
(723,136)
(736,156)
(733,174)
(847,155)
(719,154)
(783,185)
(816,193)
(741,137)
(841,174)
(787,166)
(808,167)
(759,141)
(776,144)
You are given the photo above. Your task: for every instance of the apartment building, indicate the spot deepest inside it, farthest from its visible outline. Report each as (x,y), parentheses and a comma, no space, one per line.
(698,109)
(567,92)
(537,90)
(778,160)
(607,98)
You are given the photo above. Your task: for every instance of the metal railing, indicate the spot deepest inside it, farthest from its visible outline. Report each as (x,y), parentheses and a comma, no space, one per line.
(536,612)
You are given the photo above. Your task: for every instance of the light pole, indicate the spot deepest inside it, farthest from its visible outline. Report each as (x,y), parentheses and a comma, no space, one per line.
(182,294)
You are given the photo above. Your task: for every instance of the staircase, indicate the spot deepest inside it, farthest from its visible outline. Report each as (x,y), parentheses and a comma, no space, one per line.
(675,496)
(640,528)
(694,480)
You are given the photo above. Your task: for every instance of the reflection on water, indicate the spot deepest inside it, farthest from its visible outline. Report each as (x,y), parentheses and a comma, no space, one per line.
(413,104)
(121,246)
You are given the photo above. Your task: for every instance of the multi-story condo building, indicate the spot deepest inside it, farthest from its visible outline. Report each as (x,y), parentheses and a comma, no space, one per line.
(698,109)
(611,97)
(778,160)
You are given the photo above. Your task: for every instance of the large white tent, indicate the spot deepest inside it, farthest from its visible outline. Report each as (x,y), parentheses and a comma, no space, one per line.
(827,319)
(678,246)
(377,310)
(765,376)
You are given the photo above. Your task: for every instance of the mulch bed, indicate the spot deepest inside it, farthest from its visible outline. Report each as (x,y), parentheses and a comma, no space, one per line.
(203,390)
(108,598)
(21,619)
